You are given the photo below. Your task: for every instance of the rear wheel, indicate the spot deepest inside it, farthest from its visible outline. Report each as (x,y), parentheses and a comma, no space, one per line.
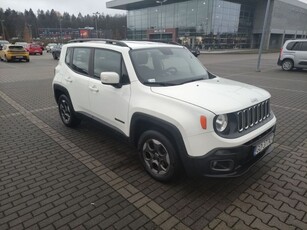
(158,156)
(287,65)
(67,113)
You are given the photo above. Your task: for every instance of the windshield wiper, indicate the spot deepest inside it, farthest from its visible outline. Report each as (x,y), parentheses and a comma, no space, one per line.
(159,83)
(191,80)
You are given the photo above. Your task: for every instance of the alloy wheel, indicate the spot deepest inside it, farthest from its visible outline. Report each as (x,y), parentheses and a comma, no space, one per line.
(156,157)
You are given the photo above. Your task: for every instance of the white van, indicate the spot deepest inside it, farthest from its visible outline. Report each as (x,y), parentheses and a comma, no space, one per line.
(293,55)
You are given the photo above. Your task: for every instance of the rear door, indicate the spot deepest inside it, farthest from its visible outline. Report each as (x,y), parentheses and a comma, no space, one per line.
(76,77)
(300,54)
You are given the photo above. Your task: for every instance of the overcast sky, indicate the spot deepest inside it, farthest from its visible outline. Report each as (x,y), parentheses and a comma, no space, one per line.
(70,6)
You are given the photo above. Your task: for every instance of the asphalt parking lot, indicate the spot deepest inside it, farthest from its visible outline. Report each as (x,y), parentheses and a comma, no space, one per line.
(53,177)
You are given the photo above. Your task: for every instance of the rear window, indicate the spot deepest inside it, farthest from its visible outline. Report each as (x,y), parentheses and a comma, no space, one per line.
(16,48)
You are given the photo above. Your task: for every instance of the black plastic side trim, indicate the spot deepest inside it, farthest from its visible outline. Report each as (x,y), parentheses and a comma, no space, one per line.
(57,87)
(303,63)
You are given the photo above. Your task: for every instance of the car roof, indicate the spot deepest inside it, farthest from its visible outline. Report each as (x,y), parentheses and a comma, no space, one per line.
(121,43)
(147,44)
(296,40)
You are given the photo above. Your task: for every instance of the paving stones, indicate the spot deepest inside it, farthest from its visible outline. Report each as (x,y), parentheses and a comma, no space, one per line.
(54,177)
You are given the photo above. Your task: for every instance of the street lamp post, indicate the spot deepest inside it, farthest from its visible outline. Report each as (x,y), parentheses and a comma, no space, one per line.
(161,2)
(263,34)
(3,34)
(96,14)
(30,32)
(60,30)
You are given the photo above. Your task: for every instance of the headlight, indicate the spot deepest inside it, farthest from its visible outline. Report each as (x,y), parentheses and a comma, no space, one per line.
(221,122)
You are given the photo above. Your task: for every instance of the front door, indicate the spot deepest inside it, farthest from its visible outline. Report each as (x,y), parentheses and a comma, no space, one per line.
(108,103)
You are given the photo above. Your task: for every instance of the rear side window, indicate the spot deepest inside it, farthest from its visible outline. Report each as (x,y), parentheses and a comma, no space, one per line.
(304,46)
(68,56)
(290,45)
(81,59)
(297,46)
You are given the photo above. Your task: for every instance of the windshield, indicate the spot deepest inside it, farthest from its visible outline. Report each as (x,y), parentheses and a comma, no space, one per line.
(165,66)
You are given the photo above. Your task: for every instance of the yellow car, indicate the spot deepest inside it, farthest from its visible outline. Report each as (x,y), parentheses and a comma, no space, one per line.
(11,52)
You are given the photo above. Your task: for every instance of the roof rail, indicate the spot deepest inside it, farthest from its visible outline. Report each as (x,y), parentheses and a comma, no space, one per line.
(107,41)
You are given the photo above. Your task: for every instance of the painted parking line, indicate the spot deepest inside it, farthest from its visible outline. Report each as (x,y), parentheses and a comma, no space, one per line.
(143,203)
(31,111)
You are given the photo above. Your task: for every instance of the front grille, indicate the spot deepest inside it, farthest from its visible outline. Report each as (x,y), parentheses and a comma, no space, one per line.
(252,116)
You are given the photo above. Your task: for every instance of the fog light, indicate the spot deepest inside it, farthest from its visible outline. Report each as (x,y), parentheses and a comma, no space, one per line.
(222,165)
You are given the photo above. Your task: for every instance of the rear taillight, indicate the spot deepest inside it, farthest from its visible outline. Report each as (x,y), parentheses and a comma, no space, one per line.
(280,52)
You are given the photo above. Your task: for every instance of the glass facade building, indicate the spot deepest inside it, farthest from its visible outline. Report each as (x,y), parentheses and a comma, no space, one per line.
(203,23)
(207,24)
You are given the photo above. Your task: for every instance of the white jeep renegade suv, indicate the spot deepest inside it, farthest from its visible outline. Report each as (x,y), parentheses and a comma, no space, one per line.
(178,115)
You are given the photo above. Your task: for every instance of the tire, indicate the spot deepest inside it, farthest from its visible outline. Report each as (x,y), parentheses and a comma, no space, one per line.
(287,65)
(158,156)
(67,112)
(54,56)
(27,60)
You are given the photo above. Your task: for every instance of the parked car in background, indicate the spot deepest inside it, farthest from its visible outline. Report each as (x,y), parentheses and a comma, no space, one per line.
(14,52)
(34,49)
(56,51)
(50,46)
(3,42)
(293,54)
(23,44)
(194,51)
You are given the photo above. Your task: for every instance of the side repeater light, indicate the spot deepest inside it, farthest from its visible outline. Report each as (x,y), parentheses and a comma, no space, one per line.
(203,122)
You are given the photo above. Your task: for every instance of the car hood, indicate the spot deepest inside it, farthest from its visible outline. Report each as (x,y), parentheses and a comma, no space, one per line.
(217,95)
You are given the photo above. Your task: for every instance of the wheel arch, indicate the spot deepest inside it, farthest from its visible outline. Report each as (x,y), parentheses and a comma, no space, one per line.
(58,90)
(288,59)
(141,122)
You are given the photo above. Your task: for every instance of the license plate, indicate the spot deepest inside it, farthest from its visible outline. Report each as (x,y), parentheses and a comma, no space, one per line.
(19,56)
(262,145)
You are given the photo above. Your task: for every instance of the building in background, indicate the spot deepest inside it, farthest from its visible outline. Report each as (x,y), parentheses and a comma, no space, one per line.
(65,34)
(214,24)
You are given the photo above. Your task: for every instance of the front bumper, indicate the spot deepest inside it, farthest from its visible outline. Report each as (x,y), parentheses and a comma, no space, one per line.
(229,162)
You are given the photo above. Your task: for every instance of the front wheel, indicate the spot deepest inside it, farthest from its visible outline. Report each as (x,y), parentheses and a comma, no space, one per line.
(158,156)
(287,65)
(67,113)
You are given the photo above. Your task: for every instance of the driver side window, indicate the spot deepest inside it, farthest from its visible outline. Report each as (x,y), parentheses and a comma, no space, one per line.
(106,61)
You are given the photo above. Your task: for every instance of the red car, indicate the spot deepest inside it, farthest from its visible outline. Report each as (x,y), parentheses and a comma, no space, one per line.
(34,49)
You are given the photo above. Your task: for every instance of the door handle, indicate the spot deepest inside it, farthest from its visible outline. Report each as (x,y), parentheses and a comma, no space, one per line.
(94,89)
(68,79)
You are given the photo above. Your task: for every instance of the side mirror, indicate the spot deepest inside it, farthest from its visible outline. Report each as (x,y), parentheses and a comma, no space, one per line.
(110,78)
